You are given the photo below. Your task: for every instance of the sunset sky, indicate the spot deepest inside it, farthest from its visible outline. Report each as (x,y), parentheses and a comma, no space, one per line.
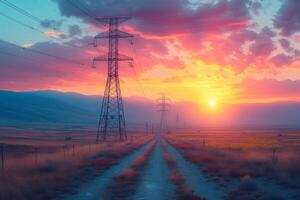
(238,51)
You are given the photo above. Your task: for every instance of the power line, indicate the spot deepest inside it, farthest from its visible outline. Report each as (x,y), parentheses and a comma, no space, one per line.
(54,56)
(141,85)
(38,30)
(21,23)
(82,9)
(16,56)
(138,81)
(39,20)
(46,54)
(21,11)
(25,13)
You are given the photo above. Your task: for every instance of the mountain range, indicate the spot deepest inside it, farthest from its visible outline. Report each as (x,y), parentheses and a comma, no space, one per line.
(49,106)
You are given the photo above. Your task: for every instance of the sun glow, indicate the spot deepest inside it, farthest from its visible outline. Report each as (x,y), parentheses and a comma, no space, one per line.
(212,103)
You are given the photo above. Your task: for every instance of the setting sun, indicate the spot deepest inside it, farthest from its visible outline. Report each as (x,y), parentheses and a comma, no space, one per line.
(212,103)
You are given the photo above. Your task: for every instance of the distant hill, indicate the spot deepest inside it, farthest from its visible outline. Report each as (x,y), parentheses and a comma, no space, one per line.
(134,107)
(32,107)
(279,113)
(50,106)
(59,107)
(89,103)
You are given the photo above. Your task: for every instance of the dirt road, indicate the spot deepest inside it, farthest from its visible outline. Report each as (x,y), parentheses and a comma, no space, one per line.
(154,181)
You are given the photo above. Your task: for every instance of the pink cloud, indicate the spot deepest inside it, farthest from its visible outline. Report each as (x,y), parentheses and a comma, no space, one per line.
(240,24)
(297,38)
(269,88)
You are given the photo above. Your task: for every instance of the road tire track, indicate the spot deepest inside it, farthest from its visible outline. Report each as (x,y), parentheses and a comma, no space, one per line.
(97,188)
(195,177)
(154,183)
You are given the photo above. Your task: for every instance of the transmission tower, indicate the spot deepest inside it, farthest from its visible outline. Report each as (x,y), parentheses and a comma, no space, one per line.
(147,128)
(163,104)
(177,121)
(112,119)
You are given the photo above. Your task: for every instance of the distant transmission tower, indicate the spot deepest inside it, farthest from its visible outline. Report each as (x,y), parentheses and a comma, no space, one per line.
(177,121)
(163,107)
(112,119)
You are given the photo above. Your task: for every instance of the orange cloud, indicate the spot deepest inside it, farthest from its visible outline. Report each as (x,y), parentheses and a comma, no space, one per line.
(134,31)
(55,34)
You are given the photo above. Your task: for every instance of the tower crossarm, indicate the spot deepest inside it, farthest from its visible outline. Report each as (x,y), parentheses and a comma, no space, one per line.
(116,34)
(106,20)
(163,110)
(106,57)
(163,104)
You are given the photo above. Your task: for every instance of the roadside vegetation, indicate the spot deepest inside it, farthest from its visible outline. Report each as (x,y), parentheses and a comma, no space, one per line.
(253,166)
(124,185)
(48,170)
(182,191)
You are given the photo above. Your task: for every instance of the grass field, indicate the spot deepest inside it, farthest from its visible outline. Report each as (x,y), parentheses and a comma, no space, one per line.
(245,164)
(179,165)
(35,168)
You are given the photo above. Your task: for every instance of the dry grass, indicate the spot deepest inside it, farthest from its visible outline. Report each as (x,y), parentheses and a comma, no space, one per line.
(176,177)
(125,183)
(237,139)
(41,175)
(258,156)
(182,191)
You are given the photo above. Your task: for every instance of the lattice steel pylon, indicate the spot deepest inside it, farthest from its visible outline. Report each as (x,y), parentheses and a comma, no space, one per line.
(163,107)
(112,119)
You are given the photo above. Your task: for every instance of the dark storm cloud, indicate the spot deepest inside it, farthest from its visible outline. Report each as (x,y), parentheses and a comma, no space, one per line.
(53,24)
(74,30)
(288,17)
(281,60)
(285,45)
(263,44)
(165,16)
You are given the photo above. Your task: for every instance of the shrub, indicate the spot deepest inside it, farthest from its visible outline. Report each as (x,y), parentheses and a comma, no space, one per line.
(176,177)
